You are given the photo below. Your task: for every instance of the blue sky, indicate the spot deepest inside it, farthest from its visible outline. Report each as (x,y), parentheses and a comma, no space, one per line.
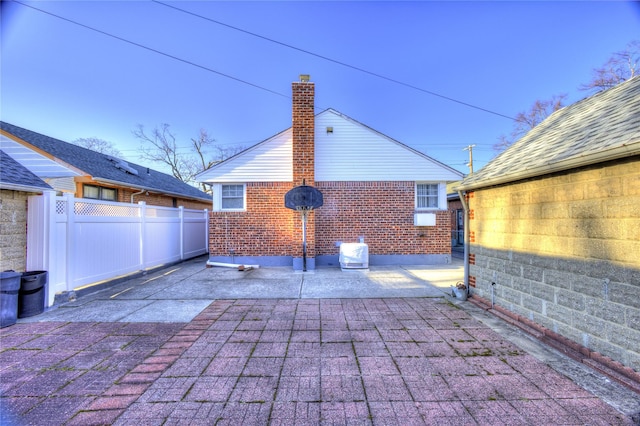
(69,82)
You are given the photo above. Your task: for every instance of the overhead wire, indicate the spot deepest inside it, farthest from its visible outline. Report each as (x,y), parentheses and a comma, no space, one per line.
(335,61)
(153,50)
(194,64)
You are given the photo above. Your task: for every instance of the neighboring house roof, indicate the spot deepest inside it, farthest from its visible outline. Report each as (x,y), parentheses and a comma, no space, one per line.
(38,164)
(14,176)
(104,168)
(603,127)
(351,151)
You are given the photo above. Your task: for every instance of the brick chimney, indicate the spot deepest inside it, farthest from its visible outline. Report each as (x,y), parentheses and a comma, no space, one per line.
(303,117)
(303,129)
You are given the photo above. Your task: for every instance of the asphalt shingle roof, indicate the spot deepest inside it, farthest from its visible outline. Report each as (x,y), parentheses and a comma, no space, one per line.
(102,166)
(602,127)
(14,175)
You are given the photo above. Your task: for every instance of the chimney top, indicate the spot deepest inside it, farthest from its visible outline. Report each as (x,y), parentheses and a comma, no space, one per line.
(304,78)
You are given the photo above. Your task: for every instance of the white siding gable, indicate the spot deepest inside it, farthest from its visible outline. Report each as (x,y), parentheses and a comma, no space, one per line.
(35,162)
(268,161)
(355,152)
(351,152)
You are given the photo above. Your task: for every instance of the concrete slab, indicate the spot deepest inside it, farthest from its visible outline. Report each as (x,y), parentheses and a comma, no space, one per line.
(168,311)
(372,283)
(94,311)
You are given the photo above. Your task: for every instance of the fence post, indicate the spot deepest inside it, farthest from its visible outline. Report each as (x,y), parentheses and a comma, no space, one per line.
(206,230)
(142,214)
(181,216)
(69,201)
(41,220)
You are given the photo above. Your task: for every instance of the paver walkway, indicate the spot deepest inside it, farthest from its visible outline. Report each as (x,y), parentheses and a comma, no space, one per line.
(406,361)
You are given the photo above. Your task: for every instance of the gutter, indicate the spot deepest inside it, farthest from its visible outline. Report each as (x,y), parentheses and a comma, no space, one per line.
(465,206)
(161,191)
(24,188)
(626,150)
(142,191)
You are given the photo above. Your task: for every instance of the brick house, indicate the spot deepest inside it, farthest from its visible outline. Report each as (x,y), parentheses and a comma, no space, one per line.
(554,226)
(375,189)
(97,175)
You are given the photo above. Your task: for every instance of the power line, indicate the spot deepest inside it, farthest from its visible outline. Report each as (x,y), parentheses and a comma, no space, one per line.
(154,50)
(335,61)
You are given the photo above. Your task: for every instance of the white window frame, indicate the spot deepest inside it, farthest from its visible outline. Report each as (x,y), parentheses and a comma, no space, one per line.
(217,191)
(441,203)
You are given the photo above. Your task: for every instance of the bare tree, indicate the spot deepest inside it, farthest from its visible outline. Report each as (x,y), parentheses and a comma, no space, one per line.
(621,66)
(527,120)
(98,145)
(161,146)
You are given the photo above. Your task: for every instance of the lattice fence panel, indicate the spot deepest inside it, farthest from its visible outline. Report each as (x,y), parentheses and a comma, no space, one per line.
(91,209)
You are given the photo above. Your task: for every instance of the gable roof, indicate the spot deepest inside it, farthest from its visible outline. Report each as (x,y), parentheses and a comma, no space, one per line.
(39,164)
(104,168)
(14,176)
(603,127)
(351,151)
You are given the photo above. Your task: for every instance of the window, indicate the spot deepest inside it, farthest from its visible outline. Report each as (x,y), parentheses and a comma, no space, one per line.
(232,197)
(99,193)
(427,196)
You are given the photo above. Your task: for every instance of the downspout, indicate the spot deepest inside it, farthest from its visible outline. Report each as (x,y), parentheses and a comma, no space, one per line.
(142,191)
(465,206)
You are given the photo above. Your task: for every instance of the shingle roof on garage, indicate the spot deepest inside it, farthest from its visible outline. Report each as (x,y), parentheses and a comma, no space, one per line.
(15,176)
(603,127)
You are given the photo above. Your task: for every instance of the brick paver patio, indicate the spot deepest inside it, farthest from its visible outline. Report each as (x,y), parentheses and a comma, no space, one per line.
(403,361)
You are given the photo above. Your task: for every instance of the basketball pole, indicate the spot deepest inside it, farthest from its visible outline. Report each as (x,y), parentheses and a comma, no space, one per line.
(304,240)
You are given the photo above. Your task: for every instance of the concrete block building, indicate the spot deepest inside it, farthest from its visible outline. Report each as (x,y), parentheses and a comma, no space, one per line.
(554,225)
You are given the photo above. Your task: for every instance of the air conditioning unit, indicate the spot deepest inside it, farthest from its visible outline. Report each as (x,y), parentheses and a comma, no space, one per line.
(354,256)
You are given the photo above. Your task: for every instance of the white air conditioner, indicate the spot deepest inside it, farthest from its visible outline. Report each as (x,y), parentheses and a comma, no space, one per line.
(424,219)
(354,256)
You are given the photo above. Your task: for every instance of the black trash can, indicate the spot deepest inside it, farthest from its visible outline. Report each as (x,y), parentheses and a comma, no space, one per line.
(9,288)
(32,292)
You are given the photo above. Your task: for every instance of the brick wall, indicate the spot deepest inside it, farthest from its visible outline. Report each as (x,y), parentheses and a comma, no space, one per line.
(563,252)
(381,212)
(153,199)
(266,228)
(303,130)
(13,230)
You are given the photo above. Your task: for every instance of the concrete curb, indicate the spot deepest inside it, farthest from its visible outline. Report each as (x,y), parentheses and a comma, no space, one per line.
(603,364)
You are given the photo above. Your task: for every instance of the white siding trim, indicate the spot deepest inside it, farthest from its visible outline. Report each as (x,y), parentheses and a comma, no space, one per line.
(268,161)
(355,152)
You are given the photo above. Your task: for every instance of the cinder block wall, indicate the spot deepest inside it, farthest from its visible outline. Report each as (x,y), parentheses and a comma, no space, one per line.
(382,213)
(564,251)
(13,230)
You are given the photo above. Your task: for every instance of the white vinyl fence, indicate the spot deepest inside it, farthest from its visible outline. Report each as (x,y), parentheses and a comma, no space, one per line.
(81,241)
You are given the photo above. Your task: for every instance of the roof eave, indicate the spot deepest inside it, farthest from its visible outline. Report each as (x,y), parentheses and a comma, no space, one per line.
(622,151)
(148,188)
(24,188)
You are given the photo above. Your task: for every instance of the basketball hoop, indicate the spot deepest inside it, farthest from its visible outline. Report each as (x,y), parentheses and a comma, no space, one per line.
(304,210)
(303,199)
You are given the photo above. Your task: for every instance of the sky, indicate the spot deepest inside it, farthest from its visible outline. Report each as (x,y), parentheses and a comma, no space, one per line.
(436,76)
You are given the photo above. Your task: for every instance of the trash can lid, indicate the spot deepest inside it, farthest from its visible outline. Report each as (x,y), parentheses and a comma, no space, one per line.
(9,280)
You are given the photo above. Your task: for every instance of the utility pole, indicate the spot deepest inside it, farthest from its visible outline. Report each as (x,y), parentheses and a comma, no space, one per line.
(470,149)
